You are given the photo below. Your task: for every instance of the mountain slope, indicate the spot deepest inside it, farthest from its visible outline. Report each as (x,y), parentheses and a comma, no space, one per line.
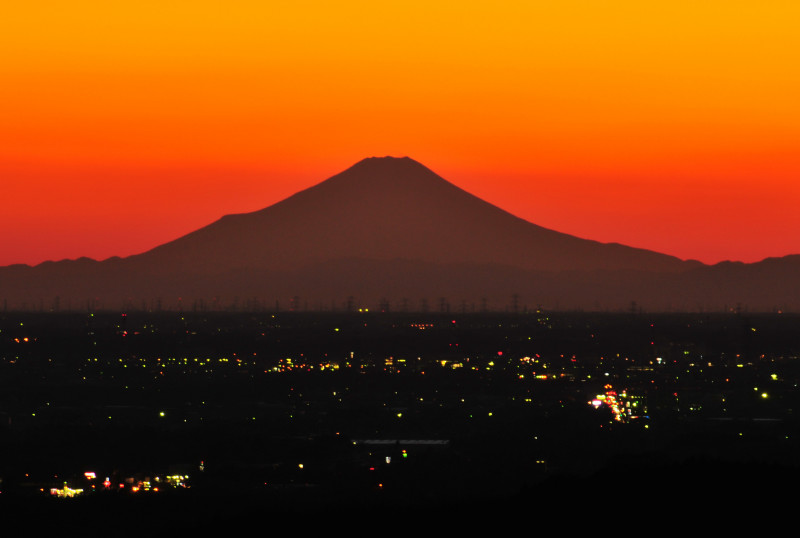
(391,208)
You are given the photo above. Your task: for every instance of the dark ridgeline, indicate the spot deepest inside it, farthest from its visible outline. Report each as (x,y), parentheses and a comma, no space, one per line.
(390,231)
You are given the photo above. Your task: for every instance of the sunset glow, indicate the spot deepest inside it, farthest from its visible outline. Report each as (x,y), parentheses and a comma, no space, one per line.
(667,125)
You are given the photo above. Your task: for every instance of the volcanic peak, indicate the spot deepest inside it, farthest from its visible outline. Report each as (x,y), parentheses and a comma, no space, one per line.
(388,166)
(385,159)
(388,172)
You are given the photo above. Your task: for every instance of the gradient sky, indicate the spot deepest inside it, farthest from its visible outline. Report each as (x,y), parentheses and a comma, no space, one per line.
(669,125)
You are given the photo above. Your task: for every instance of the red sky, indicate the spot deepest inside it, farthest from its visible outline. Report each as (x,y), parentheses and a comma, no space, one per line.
(667,125)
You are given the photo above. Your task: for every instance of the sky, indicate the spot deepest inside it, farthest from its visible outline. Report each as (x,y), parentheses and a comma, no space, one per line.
(670,125)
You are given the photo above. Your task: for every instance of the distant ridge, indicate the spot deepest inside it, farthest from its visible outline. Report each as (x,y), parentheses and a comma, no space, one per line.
(390,231)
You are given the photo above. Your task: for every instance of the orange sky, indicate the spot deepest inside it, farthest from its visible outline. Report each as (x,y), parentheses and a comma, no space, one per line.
(670,125)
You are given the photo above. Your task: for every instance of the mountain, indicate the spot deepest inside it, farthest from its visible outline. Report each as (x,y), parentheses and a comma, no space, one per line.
(390,230)
(384,209)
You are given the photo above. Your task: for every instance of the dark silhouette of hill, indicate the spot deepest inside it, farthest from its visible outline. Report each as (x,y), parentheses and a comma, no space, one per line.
(391,208)
(390,230)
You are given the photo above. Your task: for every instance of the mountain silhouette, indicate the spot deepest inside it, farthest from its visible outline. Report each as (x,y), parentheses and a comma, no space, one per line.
(390,231)
(386,208)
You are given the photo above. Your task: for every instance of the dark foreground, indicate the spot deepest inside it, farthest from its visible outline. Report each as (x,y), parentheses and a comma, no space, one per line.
(364,419)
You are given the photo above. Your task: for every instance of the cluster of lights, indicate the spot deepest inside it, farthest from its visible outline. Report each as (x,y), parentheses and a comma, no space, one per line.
(287,365)
(66,492)
(621,410)
(134,486)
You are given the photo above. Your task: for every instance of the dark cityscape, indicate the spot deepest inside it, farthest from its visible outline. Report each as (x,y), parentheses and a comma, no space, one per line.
(327,411)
